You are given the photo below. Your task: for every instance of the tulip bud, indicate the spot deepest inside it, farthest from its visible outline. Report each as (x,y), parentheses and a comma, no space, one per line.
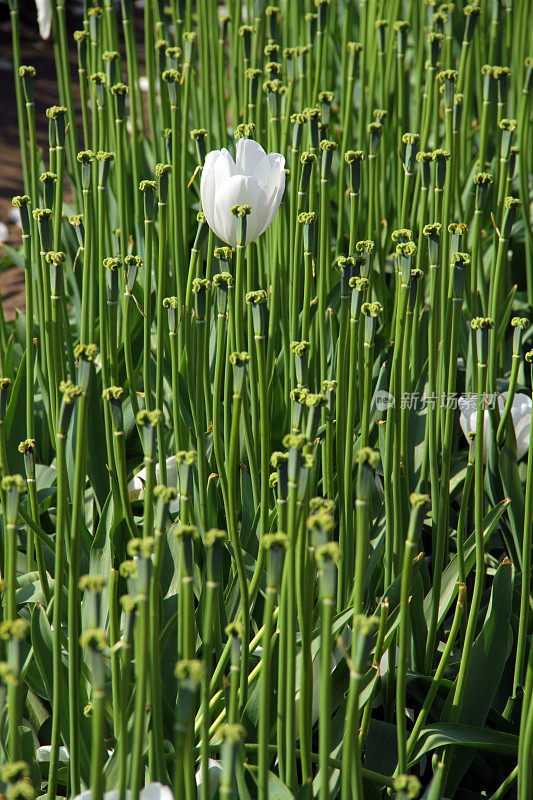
(440,157)
(69,392)
(113,396)
(43,216)
(86,158)
(22,202)
(133,264)
(279,461)
(215,541)
(380,26)
(501,75)
(257,300)
(185,460)
(314,403)
(112,265)
(424,161)
(321,521)
(328,557)
(471,13)
(162,172)
(239,362)
(458,230)
(301,358)
(57,116)
(200,287)
(371,312)
(433,232)
(148,188)
(172,79)
(172,305)
(276,545)
(298,397)
(482,326)
(482,182)
(366,249)
(82,38)
(85,356)
(27,74)
(375,130)
(511,206)
(99,81)
(199,136)
(148,422)
(223,282)
(353,159)
(435,44)
(111,59)
(359,288)
(312,116)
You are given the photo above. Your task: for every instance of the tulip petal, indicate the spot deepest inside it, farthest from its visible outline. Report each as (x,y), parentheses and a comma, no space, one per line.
(137,483)
(275,188)
(207,187)
(44,17)
(251,159)
(521,414)
(156,791)
(44,753)
(239,190)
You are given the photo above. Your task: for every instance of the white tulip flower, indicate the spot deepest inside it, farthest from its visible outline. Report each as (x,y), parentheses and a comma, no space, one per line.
(153,791)
(44,753)
(520,413)
(136,485)
(44,17)
(254,179)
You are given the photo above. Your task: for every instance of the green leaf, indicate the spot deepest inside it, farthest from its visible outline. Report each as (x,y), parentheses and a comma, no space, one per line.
(450,575)
(277,790)
(512,486)
(15,419)
(489,656)
(465,736)
(42,641)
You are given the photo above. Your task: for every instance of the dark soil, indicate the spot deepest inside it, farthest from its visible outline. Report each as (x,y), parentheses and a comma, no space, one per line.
(38,53)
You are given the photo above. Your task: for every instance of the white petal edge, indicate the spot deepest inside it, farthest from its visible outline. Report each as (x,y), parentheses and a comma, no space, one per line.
(249,155)
(44,17)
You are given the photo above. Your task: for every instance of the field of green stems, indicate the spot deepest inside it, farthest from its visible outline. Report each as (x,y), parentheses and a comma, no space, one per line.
(266,433)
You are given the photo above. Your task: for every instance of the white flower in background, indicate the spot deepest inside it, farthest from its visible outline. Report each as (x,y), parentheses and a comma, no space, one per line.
(255,179)
(44,753)
(13,216)
(153,791)
(4,233)
(214,770)
(44,17)
(136,485)
(520,413)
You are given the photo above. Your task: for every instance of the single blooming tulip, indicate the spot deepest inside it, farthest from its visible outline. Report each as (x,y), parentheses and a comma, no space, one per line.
(520,413)
(254,179)
(152,791)
(136,485)
(44,17)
